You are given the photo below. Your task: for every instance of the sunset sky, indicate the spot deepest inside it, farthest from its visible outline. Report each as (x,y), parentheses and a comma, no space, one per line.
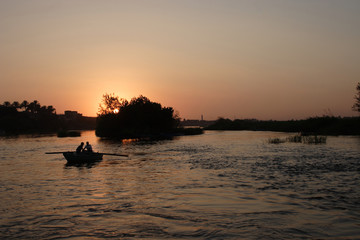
(264,59)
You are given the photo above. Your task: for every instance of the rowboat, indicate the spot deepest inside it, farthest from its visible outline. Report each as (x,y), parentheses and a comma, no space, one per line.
(84,157)
(74,157)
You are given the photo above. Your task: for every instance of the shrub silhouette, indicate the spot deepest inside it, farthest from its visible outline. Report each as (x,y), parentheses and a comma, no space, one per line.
(138,118)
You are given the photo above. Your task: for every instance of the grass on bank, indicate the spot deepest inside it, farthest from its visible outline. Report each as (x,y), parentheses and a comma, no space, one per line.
(307,139)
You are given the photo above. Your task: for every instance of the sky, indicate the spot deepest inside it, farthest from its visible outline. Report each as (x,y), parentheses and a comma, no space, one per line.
(263,59)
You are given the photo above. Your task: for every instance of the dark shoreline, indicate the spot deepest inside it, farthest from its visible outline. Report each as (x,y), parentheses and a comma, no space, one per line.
(331,126)
(150,135)
(319,125)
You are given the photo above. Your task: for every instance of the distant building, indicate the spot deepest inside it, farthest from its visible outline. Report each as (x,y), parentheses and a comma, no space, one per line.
(72,115)
(76,121)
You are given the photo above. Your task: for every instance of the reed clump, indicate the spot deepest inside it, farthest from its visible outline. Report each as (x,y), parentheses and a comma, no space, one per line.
(299,138)
(295,139)
(276,140)
(314,139)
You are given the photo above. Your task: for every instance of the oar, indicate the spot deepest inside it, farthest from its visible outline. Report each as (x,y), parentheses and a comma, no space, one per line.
(54,152)
(114,154)
(111,154)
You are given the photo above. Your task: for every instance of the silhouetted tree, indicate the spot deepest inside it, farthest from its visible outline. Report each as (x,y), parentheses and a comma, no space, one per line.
(34,107)
(6,104)
(33,118)
(356,106)
(16,104)
(139,117)
(6,111)
(50,109)
(24,105)
(111,104)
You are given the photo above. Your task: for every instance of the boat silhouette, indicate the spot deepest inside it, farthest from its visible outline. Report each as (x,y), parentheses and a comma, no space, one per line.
(84,157)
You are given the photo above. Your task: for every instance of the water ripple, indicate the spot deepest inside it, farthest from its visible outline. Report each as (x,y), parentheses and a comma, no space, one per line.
(220,185)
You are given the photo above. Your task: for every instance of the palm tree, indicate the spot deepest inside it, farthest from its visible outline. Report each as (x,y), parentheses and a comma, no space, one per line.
(25,105)
(15,104)
(7,104)
(51,109)
(43,109)
(34,106)
(356,106)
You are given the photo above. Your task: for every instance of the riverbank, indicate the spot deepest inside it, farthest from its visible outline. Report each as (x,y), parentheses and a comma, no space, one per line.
(132,134)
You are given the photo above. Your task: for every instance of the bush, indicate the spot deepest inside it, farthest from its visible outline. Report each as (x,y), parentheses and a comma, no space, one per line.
(138,118)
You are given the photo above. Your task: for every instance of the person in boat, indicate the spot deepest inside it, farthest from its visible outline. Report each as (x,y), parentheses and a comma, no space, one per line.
(88,147)
(80,148)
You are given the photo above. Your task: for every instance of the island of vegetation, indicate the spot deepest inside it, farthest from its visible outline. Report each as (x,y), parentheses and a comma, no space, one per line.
(139,118)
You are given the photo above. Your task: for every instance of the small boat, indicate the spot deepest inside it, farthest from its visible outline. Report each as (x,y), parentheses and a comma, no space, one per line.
(85,157)
(74,157)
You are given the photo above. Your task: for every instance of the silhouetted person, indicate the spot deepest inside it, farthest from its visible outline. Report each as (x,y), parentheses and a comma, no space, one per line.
(88,147)
(80,148)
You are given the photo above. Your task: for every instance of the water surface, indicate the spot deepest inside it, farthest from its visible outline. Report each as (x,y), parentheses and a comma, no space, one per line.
(220,185)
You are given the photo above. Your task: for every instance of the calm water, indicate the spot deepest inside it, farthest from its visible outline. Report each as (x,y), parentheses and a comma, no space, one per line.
(220,185)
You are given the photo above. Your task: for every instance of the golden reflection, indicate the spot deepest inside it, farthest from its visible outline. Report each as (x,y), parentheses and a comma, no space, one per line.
(129,141)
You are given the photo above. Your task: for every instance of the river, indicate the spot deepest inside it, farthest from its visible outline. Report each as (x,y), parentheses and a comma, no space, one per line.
(219,185)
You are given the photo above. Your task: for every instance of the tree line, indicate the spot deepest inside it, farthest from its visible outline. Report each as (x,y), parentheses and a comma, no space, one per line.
(326,125)
(32,117)
(141,117)
(26,117)
(28,107)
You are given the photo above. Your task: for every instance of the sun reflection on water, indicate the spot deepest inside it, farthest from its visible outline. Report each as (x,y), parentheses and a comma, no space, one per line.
(219,185)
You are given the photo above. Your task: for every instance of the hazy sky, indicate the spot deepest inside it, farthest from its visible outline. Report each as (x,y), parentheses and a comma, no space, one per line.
(270,59)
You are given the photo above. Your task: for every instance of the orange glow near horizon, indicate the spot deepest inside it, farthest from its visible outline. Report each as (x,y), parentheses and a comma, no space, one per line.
(236,59)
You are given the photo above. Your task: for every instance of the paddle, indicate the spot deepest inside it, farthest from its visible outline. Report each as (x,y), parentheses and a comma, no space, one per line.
(111,154)
(54,152)
(114,154)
